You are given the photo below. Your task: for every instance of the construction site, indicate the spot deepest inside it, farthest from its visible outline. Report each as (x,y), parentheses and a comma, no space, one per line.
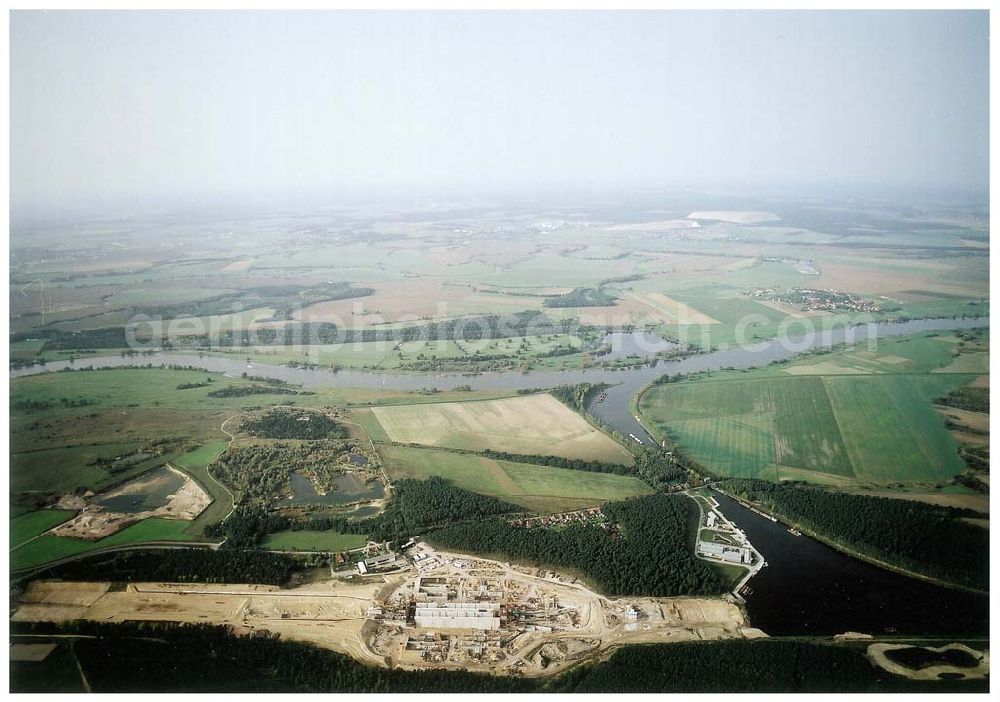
(456,612)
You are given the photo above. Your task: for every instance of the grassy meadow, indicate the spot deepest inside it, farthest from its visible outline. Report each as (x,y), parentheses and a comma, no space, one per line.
(537,488)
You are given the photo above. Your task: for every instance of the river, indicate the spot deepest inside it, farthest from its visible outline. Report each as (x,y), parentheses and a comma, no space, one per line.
(613,412)
(808,588)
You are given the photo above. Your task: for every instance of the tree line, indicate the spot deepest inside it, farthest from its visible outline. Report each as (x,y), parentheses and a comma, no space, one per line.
(162,657)
(560,462)
(180,565)
(472,328)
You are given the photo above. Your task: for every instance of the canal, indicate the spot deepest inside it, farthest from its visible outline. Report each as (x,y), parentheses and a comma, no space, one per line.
(809,588)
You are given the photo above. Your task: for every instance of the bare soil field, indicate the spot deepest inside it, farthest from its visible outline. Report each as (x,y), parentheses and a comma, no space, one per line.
(96,521)
(791,310)
(238,266)
(735,216)
(671,310)
(413,301)
(533,424)
(977,502)
(979,421)
(366,617)
(884,276)
(660,225)
(31,652)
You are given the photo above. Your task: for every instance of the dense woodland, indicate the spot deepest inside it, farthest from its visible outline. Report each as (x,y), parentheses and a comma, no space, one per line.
(417,505)
(581,297)
(649,555)
(420,504)
(152,657)
(919,537)
(577,396)
(179,565)
(261,474)
(287,424)
(657,469)
(967,398)
(759,666)
(247,390)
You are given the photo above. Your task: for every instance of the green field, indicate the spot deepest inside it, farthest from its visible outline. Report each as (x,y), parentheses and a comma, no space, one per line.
(54,446)
(388,355)
(312,541)
(49,548)
(27,526)
(837,418)
(537,488)
(196,464)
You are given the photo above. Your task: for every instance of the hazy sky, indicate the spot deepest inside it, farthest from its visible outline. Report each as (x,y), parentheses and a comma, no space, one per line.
(106,106)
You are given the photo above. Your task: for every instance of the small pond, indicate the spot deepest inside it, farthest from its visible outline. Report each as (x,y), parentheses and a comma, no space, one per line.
(147,492)
(349,488)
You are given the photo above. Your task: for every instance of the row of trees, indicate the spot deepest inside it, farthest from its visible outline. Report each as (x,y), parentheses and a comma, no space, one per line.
(919,537)
(247,390)
(227,565)
(560,462)
(650,555)
(967,398)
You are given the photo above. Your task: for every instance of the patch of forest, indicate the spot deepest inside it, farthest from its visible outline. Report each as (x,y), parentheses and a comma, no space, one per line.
(416,506)
(649,553)
(289,424)
(967,398)
(160,657)
(757,666)
(581,297)
(188,565)
(262,474)
(577,396)
(248,390)
(922,538)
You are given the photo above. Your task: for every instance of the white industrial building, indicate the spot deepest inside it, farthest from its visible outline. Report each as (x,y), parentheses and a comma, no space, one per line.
(458,615)
(732,554)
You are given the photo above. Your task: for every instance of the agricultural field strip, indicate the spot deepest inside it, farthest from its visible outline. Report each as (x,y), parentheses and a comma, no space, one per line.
(858,455)
(529,424)
(506,479)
